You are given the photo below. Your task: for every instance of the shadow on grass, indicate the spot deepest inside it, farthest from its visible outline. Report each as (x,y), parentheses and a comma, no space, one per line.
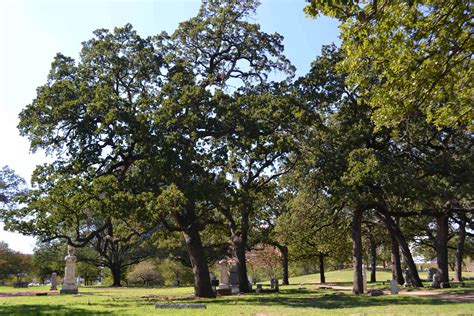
(24,309)
(337,300)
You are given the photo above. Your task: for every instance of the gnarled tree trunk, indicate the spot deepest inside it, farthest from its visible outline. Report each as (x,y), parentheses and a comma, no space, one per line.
(202,282)
(116,269)
(239,240)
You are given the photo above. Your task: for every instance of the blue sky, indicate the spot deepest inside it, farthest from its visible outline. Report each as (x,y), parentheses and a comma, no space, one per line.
(33,31)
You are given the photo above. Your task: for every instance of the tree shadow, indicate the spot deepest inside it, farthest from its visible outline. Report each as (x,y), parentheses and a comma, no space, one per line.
(25,309)
(337,300)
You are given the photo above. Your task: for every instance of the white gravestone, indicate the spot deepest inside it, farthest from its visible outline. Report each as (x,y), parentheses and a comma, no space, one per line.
(224,269)
(364,278)
(394,287)
(69,285)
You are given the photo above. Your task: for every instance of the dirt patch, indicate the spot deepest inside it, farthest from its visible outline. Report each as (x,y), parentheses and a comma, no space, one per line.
(14,294)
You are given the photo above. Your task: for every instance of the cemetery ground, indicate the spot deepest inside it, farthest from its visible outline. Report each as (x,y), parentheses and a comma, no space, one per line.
(303,297)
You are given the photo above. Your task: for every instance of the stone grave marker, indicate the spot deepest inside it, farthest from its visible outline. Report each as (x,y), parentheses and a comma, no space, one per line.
(234,279)
(364,278)
(69,285)
(394,287)
(431,273)
(54,281)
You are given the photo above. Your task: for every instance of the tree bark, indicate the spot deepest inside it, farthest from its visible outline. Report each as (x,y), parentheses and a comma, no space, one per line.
(202,282)
(460,248)
(116,274)
(373,255)
(322,277)
(284,263)
(358,287)
(394,230)
(442,247)
(239,240)
(396,264)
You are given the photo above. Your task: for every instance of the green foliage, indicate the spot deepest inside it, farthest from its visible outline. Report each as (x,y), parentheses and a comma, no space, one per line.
(14,263)
(175,273)
(11,186)
(145,273)
(48,258)
(408,58)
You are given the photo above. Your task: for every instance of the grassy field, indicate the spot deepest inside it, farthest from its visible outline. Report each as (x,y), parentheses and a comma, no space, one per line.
(296,299)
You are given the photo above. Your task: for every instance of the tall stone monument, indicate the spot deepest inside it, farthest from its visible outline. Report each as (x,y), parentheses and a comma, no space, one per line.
(69,285)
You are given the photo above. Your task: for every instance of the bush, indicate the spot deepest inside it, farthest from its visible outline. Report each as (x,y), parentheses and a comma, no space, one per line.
(145,274)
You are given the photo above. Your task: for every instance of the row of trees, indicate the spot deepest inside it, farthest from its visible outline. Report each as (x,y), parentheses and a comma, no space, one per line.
(188,135)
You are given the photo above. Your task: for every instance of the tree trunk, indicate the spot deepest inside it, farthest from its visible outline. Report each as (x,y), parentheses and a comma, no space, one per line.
(284,263)
(442,248)
(460,248)
(373,255)
(322,277)
(358,287)
(202,282)
(239,240)
(397,273)
(115,267)
(396,232)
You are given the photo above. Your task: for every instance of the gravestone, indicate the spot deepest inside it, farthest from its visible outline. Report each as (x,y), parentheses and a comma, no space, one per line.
(234,279)
(274,284)
(212,276)
(54,281)
(364,278)
(431,273)
(69,285)
(394,287)
(408,278)
(259,289)
(375,293)
(436,281)
(176,281)
(224,280)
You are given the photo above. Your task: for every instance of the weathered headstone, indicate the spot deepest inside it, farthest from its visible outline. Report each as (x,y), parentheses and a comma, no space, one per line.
(431,272)
(176,281)
(394,287)
(54,281)
(234,279)
(436,281)
(364,278)
(408,278)
(375,293)
(274,284)
(69,285)
(259,289)
(224,280)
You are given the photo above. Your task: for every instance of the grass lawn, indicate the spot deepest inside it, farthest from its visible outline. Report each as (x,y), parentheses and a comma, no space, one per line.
(290,301)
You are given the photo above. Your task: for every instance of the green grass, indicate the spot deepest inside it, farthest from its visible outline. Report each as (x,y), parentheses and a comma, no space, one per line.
(290,301)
